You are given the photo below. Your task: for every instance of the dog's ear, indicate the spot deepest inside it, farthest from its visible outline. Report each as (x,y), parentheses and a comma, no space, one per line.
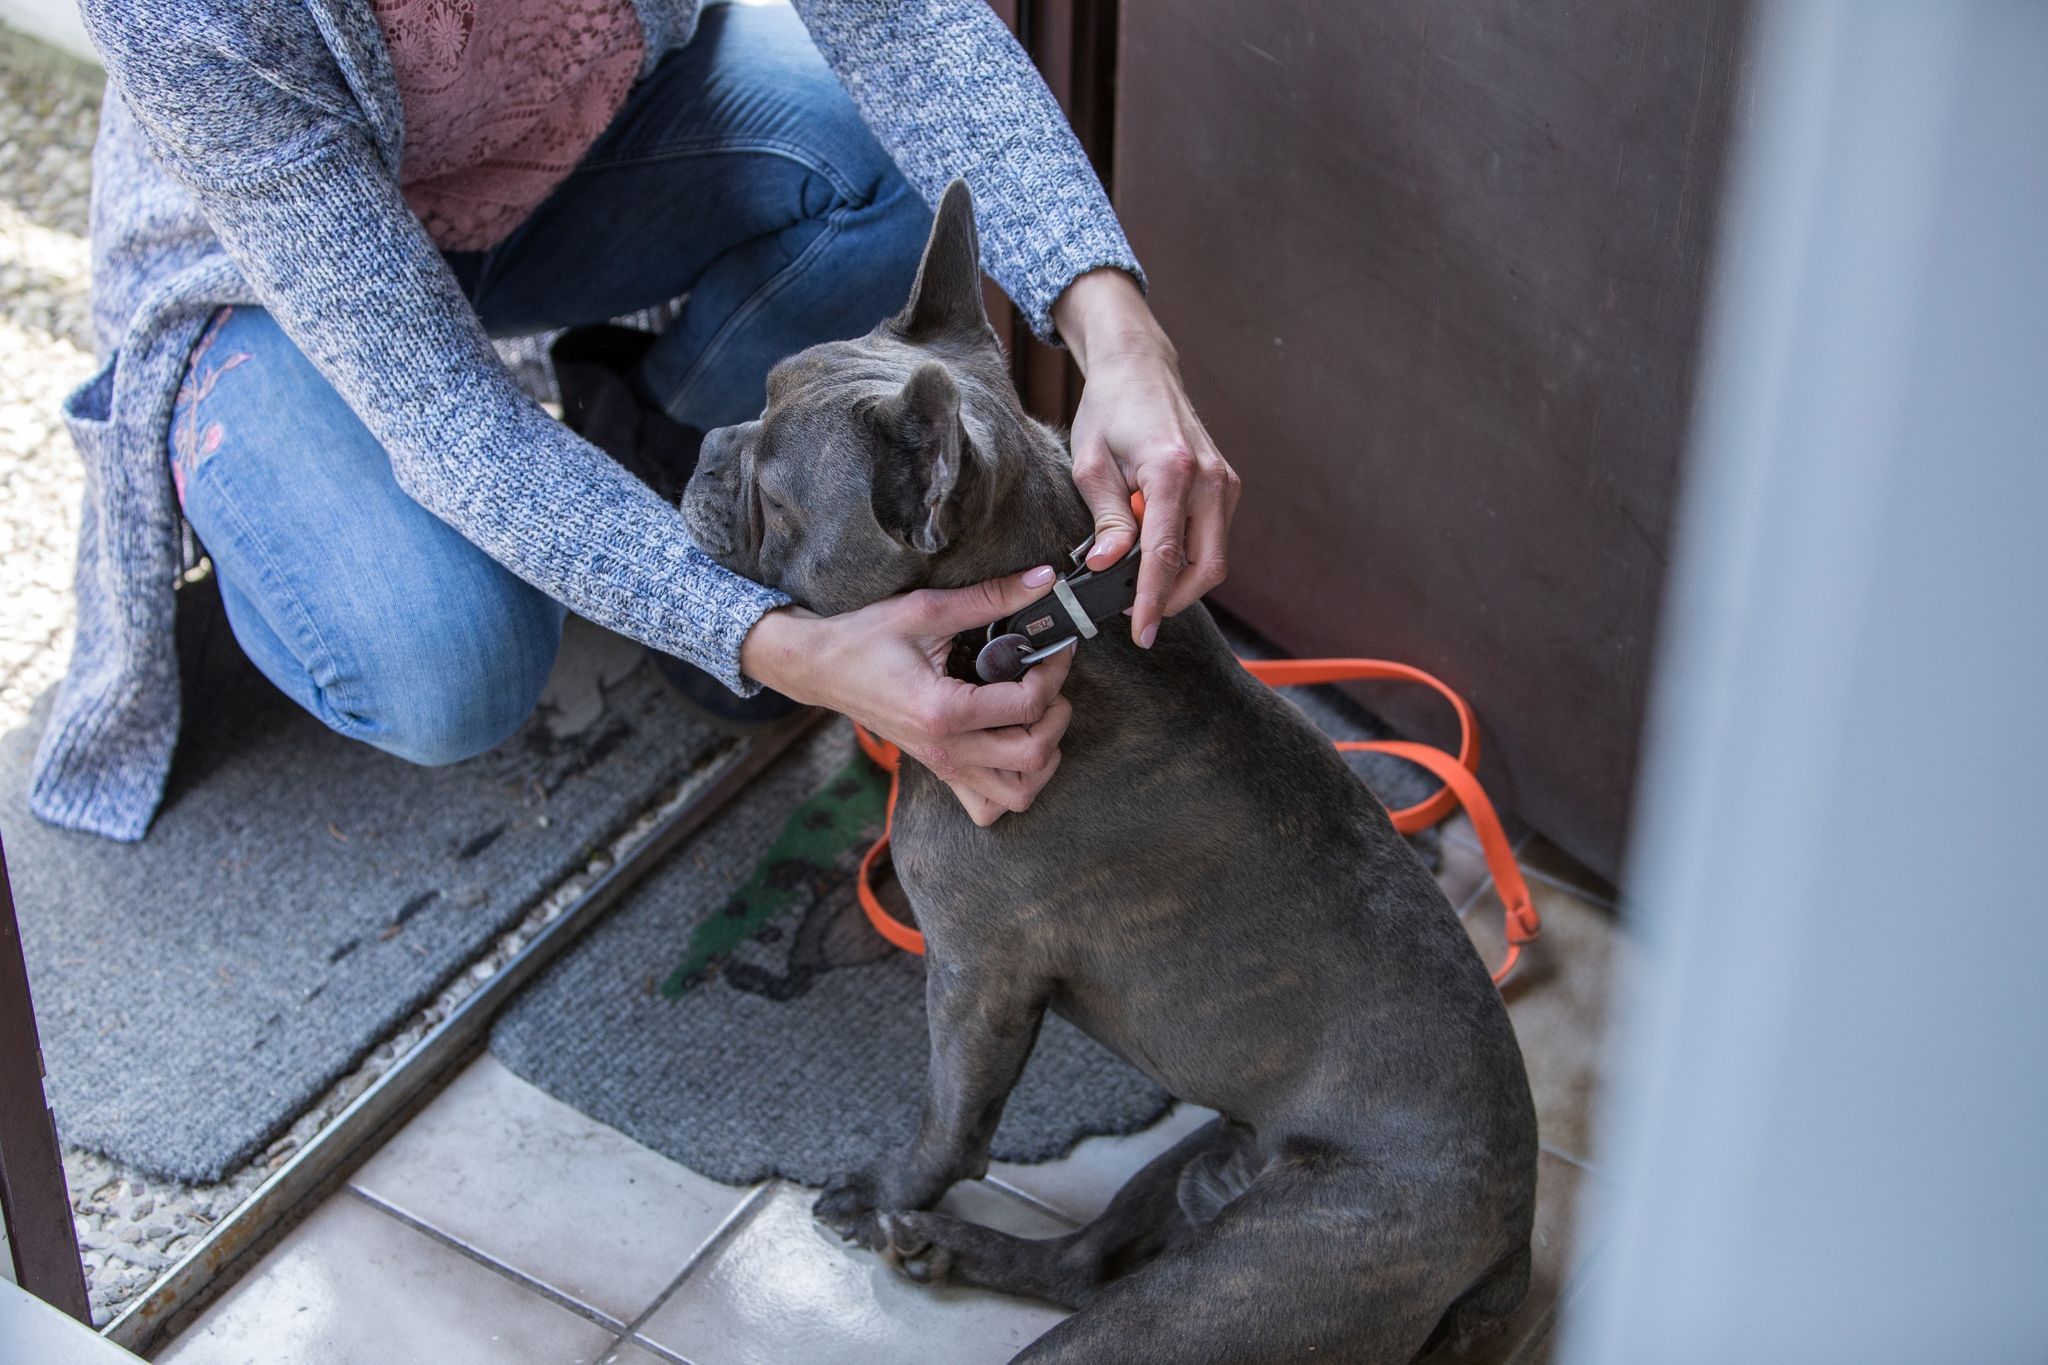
(922,462)
(947,295)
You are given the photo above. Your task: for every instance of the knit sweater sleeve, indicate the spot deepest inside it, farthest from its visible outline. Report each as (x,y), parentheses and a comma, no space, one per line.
(949,93)
(317,225)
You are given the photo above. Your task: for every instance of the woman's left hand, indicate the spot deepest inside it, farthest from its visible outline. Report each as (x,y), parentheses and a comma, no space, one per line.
(1136,430)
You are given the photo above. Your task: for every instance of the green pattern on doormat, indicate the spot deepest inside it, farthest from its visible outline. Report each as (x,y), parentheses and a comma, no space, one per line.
(846,811)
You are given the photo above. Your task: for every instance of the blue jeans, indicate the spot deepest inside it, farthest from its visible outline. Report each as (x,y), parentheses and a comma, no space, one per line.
(739,173)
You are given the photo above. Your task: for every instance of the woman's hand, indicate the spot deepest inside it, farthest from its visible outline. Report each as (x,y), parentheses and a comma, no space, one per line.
(1135,430)
(995,745)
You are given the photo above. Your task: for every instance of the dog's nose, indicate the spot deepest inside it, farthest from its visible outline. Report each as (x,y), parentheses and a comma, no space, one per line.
(720,443)
(712,450)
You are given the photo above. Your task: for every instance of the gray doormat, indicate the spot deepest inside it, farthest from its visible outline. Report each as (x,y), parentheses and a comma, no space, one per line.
(301,895)
(737,1013)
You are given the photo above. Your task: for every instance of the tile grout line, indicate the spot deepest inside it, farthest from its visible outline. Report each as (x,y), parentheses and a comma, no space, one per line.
(1538,1332)
(1037,1205)
(1471,842)
(1479,891)
(1584,893)
(641,1343)
(1471,845)
(483,1258)
(1562,1155)
(742,1214)
(1592,898)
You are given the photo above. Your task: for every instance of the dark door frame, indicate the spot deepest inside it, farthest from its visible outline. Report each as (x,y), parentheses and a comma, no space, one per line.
(1073,44)
(33,1194)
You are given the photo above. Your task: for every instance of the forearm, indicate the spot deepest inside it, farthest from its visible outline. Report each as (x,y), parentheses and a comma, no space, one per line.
(1103,316)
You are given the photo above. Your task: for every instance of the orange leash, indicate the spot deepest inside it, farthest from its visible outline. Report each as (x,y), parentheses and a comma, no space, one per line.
(1455,771)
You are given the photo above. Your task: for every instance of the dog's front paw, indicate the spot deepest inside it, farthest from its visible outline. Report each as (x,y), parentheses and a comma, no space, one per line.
(847,1206)
(913,1247)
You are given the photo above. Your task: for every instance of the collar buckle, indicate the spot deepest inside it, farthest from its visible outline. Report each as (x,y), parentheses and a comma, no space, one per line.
(1062,618)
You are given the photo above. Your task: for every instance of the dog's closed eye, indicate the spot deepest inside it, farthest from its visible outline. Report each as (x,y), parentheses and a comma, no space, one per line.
(776,515)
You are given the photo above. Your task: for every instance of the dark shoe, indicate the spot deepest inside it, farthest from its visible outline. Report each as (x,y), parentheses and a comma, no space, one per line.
(718,704)
(601,402)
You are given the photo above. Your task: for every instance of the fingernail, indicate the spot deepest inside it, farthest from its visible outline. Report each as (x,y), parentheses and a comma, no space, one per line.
(1038,577)
(1151,634)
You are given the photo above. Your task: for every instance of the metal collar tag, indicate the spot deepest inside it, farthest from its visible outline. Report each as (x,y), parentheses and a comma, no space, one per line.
(1079,599)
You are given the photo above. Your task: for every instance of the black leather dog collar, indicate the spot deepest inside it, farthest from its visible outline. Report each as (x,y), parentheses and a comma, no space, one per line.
(1079,601)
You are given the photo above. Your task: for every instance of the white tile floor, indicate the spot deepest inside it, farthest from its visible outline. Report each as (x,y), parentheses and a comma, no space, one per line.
(501,1169)
(500,1225)
(352,1283)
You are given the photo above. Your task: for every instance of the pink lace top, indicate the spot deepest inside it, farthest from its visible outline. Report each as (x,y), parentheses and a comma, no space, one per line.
(501,99)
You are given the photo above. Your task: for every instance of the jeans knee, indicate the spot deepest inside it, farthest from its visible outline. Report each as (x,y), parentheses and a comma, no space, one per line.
(886,234)
(466,691)
(903,221)
(436,729)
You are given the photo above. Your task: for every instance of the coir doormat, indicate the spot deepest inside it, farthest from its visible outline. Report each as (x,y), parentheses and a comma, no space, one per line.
(738,1014)
(301,894)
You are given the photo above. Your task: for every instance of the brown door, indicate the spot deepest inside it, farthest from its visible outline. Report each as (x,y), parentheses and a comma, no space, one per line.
(1435,271)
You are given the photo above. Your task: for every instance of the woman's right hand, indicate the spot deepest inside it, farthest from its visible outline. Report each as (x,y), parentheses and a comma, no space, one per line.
(996,745)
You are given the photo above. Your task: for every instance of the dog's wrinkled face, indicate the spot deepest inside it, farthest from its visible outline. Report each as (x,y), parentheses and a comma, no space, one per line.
(874,455)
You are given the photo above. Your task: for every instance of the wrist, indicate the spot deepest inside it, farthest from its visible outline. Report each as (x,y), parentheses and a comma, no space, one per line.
(779,653)
(1103,315)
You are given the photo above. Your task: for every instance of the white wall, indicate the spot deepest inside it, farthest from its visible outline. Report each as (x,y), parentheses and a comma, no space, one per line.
(1830,1114)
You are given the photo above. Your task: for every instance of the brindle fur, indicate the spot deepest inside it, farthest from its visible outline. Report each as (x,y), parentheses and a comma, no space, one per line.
(1204,888)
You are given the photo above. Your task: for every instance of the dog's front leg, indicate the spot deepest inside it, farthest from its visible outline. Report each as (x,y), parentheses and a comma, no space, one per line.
(983,1029)
(983,1025)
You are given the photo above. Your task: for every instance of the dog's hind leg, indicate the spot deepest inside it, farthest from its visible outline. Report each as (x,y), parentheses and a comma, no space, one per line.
(1150,1213)
(1315,1262)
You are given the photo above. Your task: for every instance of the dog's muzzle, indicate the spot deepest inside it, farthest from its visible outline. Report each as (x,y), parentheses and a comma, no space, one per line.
(710,503)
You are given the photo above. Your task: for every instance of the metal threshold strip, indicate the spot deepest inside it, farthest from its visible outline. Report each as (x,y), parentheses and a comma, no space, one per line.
(346,1141)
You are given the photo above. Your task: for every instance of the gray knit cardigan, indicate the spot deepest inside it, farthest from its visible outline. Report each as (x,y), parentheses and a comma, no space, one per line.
(248,153)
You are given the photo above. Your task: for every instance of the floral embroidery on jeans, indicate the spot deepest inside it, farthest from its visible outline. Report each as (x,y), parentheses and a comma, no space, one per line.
(190,443)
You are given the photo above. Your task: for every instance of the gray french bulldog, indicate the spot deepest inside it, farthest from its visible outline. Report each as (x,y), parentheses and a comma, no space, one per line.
(1204,888)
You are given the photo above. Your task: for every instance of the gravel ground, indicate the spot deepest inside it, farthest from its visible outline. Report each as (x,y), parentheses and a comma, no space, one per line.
(49,107)
(132,1227)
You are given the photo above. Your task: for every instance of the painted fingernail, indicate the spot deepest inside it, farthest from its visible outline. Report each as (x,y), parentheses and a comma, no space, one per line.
(1038,577)
(1151,634)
